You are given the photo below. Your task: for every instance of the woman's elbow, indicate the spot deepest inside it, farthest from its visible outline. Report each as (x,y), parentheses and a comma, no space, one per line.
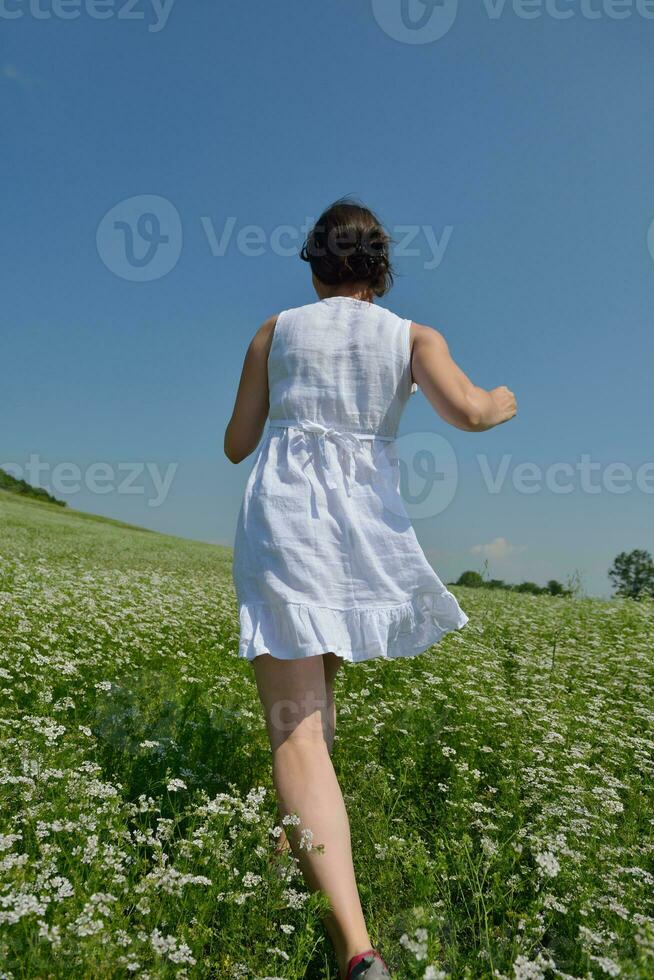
(238,449)
(473,421)
(233,452)
(476,411)
(241,441)
(471,415)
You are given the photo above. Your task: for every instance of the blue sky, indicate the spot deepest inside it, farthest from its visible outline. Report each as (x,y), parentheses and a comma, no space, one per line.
(523,145)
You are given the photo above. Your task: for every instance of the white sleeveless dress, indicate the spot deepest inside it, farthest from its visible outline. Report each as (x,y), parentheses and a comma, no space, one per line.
(325,557)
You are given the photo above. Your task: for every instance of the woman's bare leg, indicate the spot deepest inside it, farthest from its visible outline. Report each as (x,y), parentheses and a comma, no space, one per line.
(331,664)
(297,710)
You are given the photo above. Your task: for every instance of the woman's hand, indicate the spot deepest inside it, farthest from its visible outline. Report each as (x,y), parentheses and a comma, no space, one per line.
(505,404)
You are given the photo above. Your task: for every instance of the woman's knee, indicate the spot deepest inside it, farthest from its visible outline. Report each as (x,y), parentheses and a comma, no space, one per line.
(298,724)
(294,697)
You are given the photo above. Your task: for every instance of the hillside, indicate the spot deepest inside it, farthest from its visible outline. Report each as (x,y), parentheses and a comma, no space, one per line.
(499,786)
(27,520)
(12,485)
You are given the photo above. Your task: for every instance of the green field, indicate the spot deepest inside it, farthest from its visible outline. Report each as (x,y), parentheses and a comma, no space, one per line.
(500,786)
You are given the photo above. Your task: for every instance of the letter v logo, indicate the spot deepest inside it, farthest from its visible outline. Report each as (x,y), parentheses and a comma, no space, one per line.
(415,21)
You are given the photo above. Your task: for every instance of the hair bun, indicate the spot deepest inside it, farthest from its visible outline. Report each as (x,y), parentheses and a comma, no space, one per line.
(349,244)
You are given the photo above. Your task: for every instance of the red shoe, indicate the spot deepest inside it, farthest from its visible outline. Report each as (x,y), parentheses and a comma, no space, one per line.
(367,966)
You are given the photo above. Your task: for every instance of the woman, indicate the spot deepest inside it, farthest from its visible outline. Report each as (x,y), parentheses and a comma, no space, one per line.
(327,566)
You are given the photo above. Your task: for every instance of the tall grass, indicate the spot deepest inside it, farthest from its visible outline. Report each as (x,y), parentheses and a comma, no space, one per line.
(499,786)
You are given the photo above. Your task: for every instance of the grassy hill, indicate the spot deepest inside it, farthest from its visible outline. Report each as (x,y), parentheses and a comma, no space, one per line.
(499,786)
(33,519)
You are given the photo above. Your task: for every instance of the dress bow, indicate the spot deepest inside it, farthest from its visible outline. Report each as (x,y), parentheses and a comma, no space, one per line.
(347,442)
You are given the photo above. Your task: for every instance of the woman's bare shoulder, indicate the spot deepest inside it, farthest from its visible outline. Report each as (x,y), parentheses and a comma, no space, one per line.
(263,337)
(427,337)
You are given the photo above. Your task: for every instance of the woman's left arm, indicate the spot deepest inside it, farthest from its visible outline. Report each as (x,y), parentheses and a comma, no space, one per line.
(245,427)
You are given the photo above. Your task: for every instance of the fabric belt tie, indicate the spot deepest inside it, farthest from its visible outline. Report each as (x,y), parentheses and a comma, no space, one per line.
(348,442)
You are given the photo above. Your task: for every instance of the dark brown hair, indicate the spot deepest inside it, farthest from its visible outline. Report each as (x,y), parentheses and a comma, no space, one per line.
(349,244)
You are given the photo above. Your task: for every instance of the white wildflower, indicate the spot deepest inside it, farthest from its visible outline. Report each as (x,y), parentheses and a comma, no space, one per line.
(548,864)
(416,946)
(607,965)
(525,969)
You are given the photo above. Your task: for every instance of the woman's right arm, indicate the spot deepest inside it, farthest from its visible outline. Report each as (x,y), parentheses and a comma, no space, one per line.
(450,392)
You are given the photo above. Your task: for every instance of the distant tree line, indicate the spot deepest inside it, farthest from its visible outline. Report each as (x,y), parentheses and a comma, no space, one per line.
(474,580)
(632,576)
(13,485)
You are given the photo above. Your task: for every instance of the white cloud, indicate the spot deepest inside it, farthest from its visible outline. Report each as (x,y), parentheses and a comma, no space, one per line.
(12,74)
(498,549)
